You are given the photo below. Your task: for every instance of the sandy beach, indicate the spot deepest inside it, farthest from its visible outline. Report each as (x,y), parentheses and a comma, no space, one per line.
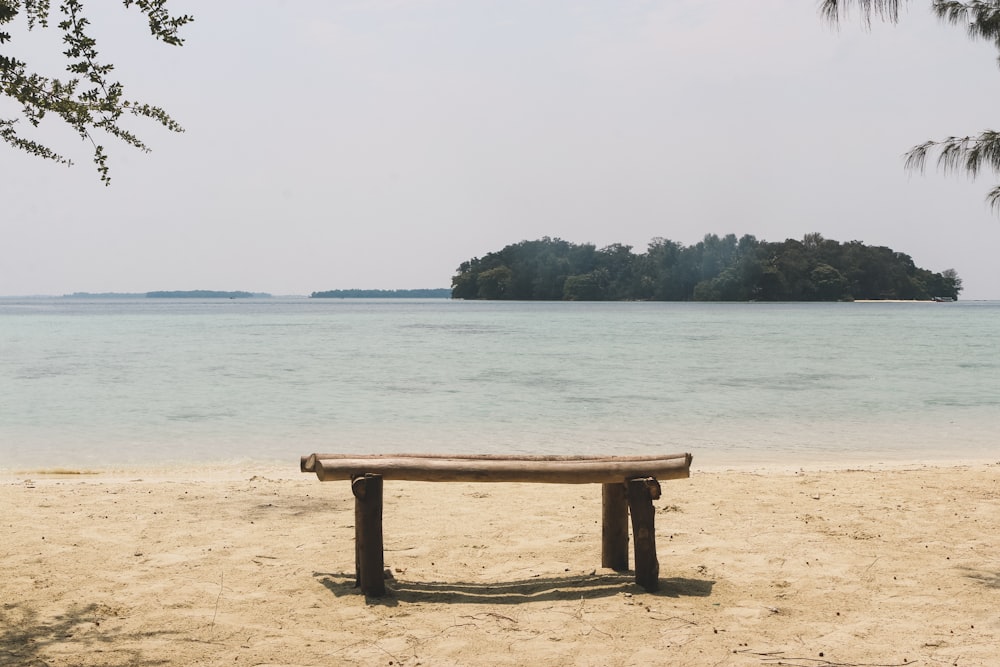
(254,566)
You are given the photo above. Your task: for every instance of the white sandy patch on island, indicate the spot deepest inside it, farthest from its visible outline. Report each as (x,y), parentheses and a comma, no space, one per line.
(254,566)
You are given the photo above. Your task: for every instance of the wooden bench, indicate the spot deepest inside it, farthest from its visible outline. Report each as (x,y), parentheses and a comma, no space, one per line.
(629,486)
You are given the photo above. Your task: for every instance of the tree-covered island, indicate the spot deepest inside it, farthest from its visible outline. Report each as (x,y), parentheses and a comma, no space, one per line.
(714,269)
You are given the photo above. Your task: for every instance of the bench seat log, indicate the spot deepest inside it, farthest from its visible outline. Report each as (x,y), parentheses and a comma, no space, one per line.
(308,463)
(629,486)
(456,469)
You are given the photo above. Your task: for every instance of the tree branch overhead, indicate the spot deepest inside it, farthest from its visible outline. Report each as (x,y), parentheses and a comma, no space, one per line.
(89,101)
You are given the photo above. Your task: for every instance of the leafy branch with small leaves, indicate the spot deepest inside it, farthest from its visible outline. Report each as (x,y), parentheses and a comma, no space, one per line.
(89,100)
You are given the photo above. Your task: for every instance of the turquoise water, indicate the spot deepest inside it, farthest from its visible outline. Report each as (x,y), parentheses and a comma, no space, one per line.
(98,383)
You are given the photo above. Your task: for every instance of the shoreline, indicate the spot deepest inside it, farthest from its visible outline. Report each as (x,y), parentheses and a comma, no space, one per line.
(194,471)
(900,301)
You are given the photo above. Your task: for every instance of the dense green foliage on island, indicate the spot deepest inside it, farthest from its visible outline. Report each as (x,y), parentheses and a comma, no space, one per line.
(203,294)
(714,269)
(442,293)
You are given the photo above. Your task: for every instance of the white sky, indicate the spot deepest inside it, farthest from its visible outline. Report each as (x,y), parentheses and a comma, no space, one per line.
(379,144)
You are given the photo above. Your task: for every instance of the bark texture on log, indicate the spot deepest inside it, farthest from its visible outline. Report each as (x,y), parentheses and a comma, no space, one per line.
(308,463)
(451,469)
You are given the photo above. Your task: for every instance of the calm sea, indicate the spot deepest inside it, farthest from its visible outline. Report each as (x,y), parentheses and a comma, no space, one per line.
(104,383)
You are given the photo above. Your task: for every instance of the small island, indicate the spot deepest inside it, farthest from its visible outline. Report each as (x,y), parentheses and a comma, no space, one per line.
(714,269)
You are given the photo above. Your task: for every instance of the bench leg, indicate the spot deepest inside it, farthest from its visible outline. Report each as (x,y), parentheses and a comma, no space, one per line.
(368,557)
(614,527)
(641,493)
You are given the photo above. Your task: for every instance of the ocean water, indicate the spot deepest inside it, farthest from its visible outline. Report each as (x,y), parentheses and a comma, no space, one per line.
(101,383)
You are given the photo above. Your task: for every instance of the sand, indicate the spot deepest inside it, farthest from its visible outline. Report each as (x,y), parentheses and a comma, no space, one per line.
(894,566)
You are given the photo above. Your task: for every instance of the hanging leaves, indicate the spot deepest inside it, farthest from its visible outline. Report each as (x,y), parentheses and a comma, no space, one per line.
(89,101)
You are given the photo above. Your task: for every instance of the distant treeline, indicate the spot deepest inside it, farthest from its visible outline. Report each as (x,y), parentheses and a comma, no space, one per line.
(442,293)
(714,269)
(104,295)
(185,294)
(203,294)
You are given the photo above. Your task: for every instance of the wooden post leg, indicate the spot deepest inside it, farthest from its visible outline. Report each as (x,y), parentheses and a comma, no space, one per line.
(614,527)
(641,493)
(358,537)
(368,534)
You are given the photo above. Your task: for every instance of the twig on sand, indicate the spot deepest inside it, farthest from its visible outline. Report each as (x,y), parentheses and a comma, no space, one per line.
(776,658)
(369,644)
(222,578)
(490,614)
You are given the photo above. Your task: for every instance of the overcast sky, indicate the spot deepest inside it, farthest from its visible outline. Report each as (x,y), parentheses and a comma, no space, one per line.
(379,144)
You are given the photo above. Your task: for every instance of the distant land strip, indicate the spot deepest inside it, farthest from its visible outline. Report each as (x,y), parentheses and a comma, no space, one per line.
(202,294)
(175,294)
(442,293)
